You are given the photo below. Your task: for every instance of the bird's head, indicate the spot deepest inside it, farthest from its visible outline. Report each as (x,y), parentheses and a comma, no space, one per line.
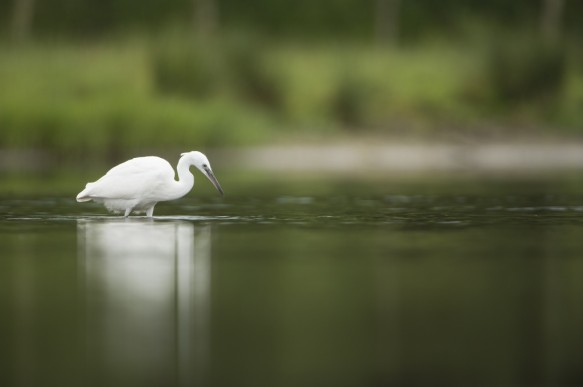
(201,162)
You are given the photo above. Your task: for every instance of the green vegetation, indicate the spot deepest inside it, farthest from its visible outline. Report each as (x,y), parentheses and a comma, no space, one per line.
(87,81)
(121,96)
(101,99)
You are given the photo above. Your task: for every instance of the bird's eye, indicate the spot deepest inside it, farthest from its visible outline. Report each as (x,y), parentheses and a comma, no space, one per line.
(205,166)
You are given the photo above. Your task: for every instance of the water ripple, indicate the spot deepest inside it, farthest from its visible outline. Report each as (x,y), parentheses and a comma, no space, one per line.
(397,211)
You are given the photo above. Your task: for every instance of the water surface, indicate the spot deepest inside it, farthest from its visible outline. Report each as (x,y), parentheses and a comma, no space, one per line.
(355,289)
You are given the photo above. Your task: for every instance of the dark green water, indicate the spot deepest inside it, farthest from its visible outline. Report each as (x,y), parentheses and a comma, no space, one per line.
(396,289)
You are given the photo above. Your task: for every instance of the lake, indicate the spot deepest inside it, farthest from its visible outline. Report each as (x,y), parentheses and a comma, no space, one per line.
(476,282)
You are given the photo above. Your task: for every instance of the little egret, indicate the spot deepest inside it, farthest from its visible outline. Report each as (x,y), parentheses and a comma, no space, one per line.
(138,184)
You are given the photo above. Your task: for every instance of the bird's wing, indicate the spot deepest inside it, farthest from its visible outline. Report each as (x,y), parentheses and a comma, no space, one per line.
(134,178)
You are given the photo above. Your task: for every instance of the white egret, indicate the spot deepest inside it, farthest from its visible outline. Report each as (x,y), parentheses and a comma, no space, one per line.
(138,184)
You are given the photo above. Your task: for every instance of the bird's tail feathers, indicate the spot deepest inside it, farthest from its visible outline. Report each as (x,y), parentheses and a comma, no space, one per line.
(83,196)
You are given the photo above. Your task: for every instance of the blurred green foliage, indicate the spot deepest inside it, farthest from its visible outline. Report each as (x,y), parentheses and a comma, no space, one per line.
(113,96)
(84,101)
(526,70)
(306,19)
(137,79)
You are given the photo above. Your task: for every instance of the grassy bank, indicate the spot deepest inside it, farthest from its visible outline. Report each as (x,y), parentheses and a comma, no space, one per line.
(114,98)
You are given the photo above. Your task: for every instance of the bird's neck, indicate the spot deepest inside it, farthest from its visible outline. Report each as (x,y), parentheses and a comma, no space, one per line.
(185,179)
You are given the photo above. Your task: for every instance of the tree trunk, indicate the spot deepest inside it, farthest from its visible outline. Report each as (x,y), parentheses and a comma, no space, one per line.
(551,20)
(22,15)
(387,21)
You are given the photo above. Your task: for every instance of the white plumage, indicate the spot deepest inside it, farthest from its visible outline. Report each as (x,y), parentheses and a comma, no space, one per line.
(138,184)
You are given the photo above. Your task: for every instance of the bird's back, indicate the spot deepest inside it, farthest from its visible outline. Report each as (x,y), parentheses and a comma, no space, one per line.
(135,178)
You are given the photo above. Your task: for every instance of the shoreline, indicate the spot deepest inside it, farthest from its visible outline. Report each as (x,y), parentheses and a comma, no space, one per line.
(353,157)
(407,157)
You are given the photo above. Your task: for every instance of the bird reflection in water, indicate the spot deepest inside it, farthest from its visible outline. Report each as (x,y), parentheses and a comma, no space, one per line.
(147,289)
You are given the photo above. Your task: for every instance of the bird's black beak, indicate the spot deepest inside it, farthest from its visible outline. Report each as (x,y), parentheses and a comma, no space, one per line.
(211,176)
